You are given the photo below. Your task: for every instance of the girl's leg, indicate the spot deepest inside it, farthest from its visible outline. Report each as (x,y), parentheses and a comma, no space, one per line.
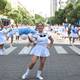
(73,39)
(1,49)
(33,61)
(41,66)
(42,62)
(7,38)
(70,39)
(11,41)
(17,37)
(1,46)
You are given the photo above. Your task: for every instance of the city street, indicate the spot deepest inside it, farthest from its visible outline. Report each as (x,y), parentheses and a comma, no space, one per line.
(63,63)
(53,24)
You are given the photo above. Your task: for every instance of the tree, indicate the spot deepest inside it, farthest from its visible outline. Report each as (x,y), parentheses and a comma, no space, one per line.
(26,16)
(20,15)
(39,18)
(2,5)
(15,15)
(7,9)
(78,1)
(72,1)
(60,16)
(78,10)
(69,13)
(58,19)
(51,20)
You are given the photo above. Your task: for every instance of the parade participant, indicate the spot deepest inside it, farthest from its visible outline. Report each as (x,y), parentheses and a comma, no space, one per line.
(17,32)
(79,33)
(74,33)
(2,39)
(69,32)
(24,31)
(40,50)
(10,34)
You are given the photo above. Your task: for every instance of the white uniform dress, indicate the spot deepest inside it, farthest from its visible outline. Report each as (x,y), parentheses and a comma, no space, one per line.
(16,31)
(40,49)
(10,32)
(2,37)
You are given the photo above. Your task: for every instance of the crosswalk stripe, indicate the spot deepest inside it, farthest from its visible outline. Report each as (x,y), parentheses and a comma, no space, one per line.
(75,49)
(25,50)
(60,50)
(9,50)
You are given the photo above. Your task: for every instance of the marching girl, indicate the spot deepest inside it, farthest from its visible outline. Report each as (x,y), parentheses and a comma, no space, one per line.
(17,32)
(10,34)
(74,33)
(39,51)
(2,39)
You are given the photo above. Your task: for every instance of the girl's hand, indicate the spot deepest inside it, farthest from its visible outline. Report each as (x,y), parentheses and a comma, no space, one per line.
(49,45)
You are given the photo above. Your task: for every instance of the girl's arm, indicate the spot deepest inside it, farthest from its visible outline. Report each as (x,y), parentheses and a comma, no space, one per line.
(51,41)
(32,39)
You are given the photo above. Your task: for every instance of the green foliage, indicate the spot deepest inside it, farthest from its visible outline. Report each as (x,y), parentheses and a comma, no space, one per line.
(2,5)
(78,10)
(39,18)
(14,14)
(58,19)
(1,23)
(20,15)
(70,14)
(78,1)
(51,20)
(7,9)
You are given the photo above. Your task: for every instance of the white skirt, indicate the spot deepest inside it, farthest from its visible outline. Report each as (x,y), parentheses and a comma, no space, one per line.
(40,51)
(17,33)
(10,34)
(75,35)
(2,39)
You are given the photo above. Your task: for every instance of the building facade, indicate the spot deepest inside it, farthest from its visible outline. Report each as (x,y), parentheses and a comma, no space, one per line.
(62,4)
(53,7)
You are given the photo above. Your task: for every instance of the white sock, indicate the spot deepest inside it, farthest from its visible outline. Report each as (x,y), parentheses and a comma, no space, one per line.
(24,76)
(27,71)
(1,51)
(39,74)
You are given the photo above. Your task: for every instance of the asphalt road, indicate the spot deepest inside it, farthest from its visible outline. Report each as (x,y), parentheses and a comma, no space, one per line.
(62,64)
